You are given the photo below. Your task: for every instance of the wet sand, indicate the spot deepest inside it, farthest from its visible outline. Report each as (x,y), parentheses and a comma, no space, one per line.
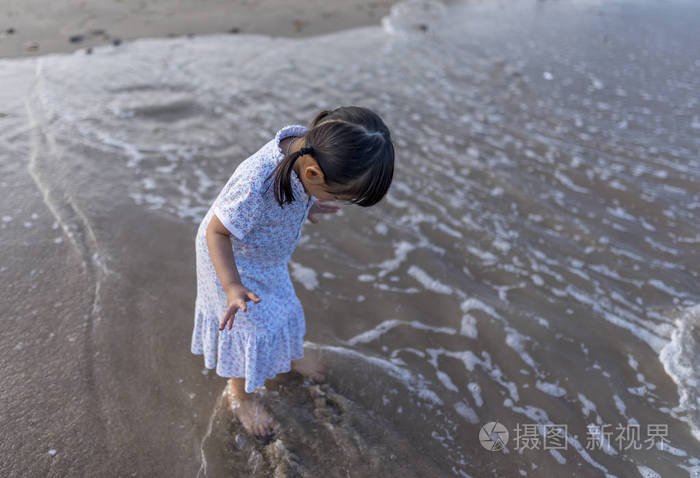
(68,404)
(31,28)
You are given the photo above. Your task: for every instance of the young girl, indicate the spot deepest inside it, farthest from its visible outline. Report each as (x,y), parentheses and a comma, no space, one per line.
(248,235)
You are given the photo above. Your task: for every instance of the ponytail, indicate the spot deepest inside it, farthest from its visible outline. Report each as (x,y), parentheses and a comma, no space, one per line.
(282,172)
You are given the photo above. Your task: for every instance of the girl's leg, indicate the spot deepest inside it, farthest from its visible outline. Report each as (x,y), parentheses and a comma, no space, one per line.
(251,412)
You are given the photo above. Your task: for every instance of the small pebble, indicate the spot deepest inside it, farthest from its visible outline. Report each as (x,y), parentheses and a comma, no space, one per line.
(279,445)
(234,30)
(10,31)
(240,441)
(88,51)
(76,38)
(52,452)
(116,42)
(255,459)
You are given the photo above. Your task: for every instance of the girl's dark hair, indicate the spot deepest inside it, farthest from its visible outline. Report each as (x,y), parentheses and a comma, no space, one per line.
(353,148)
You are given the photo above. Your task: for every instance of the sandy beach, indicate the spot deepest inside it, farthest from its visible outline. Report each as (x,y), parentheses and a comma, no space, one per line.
(69,404)
(533,262)
(35,27)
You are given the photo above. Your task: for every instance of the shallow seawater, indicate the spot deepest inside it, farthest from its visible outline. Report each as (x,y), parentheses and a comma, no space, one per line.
(535,262)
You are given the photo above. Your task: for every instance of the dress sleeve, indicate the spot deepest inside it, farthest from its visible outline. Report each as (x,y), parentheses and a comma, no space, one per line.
(239,206)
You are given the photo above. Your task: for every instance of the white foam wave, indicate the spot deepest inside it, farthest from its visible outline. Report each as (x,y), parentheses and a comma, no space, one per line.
(680,358)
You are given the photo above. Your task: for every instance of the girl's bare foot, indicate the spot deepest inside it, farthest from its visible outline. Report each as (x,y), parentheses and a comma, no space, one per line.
(309,368)
(255,419)
(250,411)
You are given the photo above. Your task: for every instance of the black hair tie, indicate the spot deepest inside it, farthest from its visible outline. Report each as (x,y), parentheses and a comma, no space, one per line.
(306,150)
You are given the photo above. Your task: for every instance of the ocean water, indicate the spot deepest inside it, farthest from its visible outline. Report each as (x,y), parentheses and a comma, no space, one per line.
(535,262)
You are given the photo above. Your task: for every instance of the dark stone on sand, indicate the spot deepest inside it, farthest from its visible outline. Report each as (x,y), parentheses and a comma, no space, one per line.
(76,38)
(116,42)
(88,51)
(10,31)
(190,35)
(234,30)
(423,27)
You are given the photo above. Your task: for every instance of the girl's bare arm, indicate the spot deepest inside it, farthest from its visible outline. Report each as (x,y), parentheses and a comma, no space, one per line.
(221,254)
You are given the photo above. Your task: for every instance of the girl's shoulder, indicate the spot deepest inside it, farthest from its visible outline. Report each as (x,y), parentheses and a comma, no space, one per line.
(257,167)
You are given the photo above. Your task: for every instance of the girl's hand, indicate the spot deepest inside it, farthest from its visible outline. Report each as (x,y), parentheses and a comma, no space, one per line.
(236,296)
(321,207)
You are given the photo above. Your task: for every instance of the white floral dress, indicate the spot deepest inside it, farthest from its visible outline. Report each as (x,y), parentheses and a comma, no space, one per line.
(270,334)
